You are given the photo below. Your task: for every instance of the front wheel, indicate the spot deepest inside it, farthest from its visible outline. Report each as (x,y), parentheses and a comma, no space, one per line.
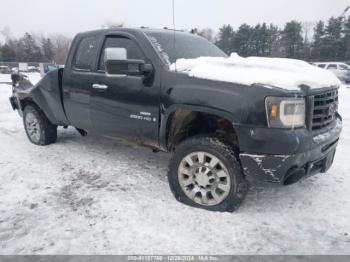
(39,129)
(205,173)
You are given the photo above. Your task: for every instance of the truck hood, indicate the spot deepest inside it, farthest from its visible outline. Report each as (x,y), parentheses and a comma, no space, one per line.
(289,74)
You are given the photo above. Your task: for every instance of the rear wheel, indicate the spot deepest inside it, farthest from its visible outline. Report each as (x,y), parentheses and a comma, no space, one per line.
(205,173)
(39,130)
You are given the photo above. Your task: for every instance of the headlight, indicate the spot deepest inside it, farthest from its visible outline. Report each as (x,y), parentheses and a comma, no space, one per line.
(285,112)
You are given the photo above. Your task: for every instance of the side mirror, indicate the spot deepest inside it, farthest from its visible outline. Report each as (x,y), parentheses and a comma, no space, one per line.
(117,64)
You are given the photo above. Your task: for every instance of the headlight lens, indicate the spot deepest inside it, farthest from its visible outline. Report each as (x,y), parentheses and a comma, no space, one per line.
(285,112)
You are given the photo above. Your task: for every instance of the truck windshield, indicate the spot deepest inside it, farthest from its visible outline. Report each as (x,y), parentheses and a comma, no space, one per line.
(186,46)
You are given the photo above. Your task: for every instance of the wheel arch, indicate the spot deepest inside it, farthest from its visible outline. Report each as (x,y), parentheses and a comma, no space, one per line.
(30,101)
(25,102)
(179,113)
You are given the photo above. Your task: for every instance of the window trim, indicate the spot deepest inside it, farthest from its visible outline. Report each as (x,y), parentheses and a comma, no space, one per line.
(117,35)
(92,69)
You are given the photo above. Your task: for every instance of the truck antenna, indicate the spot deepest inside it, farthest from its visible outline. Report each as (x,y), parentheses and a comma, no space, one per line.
(174,30)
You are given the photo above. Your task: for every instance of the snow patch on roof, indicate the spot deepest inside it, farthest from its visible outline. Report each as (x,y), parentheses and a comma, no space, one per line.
(279,72)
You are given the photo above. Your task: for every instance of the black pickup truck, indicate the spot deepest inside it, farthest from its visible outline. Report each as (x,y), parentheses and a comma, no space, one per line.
(118,83)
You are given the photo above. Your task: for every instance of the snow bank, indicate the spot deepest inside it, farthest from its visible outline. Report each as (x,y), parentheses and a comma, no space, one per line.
(280,72)
(34,78)
(5,78)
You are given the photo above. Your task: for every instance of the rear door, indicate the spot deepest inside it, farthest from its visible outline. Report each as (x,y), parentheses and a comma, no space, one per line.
(77,82)
(125,106)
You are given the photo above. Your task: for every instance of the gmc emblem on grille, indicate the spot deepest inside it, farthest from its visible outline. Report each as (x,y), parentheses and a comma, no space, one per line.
(332,109)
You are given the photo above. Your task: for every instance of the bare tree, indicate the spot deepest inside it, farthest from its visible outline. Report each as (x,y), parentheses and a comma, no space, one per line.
(207,33)
(307,28)
(61,45)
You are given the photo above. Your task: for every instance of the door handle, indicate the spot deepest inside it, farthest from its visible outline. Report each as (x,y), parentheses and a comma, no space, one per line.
(99,86)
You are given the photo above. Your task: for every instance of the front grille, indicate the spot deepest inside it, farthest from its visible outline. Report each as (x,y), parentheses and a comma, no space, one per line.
(325,109)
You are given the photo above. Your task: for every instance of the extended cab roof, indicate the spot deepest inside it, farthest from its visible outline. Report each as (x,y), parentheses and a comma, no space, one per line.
(164,31)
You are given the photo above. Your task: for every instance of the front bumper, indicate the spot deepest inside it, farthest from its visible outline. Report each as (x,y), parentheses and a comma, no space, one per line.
(273,154)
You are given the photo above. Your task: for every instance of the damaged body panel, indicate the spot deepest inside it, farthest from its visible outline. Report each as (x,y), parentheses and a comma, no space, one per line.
(300,150)
(47,94)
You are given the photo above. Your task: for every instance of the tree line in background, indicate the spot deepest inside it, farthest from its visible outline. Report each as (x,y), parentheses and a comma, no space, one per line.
(330,41)
(32,48)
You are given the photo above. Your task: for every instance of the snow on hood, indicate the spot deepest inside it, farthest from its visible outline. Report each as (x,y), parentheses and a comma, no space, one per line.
(279,72)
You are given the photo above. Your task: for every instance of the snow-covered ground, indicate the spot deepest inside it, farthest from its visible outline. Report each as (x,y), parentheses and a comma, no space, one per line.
(96,196)
(5,78)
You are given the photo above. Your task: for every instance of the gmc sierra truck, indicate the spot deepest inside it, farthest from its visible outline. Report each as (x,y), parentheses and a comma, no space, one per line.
(118,83)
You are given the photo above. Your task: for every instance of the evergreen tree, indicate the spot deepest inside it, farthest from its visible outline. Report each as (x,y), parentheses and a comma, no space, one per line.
(8,51)
(243,40)
(332,46)
(292,40)
(47,49)
(256,41)
(264,45)
(346,31)
(225,39)
(319,34)
(274,41)
(334,28)
(32,52)
(260,40)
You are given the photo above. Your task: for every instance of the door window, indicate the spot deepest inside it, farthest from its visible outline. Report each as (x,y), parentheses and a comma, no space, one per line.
(132,49)
(344,67)
(321,65)
(86,53)
(332,66)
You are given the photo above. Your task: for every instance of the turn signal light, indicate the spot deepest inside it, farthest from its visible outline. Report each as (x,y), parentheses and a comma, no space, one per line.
(274,111)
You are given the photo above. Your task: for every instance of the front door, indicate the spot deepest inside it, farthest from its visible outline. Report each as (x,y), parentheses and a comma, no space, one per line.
(125,106)
(77,82)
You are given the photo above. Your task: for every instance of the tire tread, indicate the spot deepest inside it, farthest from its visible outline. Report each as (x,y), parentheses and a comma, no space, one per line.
(49,131)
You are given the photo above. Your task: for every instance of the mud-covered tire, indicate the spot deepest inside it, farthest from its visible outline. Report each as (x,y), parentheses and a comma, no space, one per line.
(217,148)
(46,132)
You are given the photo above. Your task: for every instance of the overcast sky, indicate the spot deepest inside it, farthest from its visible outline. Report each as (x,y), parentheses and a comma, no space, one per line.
(72,16)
